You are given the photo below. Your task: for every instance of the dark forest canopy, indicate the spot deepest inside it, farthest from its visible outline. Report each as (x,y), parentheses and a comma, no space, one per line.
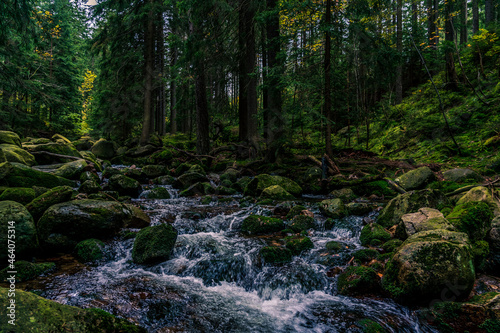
(268,73)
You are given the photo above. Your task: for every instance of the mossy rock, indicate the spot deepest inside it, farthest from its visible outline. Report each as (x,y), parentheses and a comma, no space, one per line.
(18,194)
(462,176)
(373,231)
(370,326)
(59,148)
(154,244)
(359,208)
(71,170)
(481,193)
(226,183)
(88,175)
(294,211)
(242,183)
(473,218)
(164,180)
(222,190)
(19,175)
(230,174)
(87,155)
(379,188)
(84,143)
(256,224)
(110,172)
(156,193)
(13,153)
(416,179)
(302,223)
(154,171)
(25,231)
(89,250)
(104,149)
(424,219)
(410,202)
(298,244)
(276,192)
(444,186)
(27,270)
(275,254)
(198,189)
(190,178)
(345,194)
(125,186)
(358,281)
(333,208)
(425,265)
(37,314)
(334,246)
(53,196)
(2,156)
(392,245)
(10,138)
(137,219)
(365,255)
(263,181)
(60,138)
(90,187)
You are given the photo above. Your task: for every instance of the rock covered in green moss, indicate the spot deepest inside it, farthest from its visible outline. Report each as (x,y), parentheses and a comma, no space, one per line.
(263,181)
(473,218)
(90,187)
(87,155)
(18,194)
(125,186)
(11,138)
(357,281)
(164,180)
(71,170)
(154,171)
(27,270)
(63,225)
(359,208)
(2,156)
(190,178)
(294,211)
(84,143)
(37,314)
(59,148)
(14,153)
(425,219)
(53,196)
(462,175)
(137,219)
(104,149)
(365,255)
(425,265)
(372,232)
(156,193)
(199,189)
(370,326)
(391,245)
(13,214)
(257,224)
(276,192)
(410,202)
(481,193)
(87,175)
(154,244)
(333,208)
(19,175)
(298,244)
(334,246)
(231,175)
(416,179)
(302,223)
(275,254)
(493,236)
(345,194)
(89,250)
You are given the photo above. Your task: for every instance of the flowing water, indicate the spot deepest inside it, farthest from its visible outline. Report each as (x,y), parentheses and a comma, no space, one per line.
(216,282)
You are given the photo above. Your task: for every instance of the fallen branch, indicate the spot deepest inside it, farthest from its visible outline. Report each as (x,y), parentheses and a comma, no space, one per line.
(319,164)
(42,152)
(395,186)
(331,163)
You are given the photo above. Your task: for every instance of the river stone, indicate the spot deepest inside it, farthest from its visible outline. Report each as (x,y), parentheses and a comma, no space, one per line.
(84,143)
(89,250)
(71,170)
(481,193)
(473,218)
(416,179)
(425,219)
(261,182)
(88,175)
(103,149)
(10,138)
(373,232)
(276,192)
(18,194)
(154,171)
(154,244)
(190,178)
(125,186)
(20,175)
(334,208)
(428,264)
(462,175)
(256,224)
(87,155)
(156,193)
(27,270)
(359,208)
(164,180)
(358,281)
(53,196)
(292,211)
(90,187)
(345,194)
(410,202)
(63,225)
(302,223)
(230,174)
(15,154)
(138,218)
(275,254)
(25,242)
(37,314)
(298,244)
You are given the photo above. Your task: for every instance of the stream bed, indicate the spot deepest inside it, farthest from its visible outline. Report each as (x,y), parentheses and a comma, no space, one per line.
(215,280)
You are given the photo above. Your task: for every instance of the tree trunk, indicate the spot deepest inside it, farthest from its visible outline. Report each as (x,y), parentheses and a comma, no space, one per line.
(450,38)
(463,22)
(431,24)
(327,67)
(148,82)
(265,89)
(489,14)
(475,17)
(202,124)
(173,92)
(399,45)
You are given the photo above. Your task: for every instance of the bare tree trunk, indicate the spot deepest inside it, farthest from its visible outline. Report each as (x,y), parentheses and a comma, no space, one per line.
(463,22)
(202,124)
(265,90)
(173,93)
(475,17)
(327,67)
(148,82)
(399,44)
(450,37)
(489,11)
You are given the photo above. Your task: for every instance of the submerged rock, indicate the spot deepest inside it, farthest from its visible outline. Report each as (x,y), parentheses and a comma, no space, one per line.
(334,208)
(154,244)
(416,179)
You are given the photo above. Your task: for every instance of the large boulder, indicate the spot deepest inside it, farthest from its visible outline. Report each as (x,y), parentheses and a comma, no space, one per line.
(473,218)
(462,175)
(63,225)
(71,170)
(88,156)
(261,182)
(104,149)
(53,196)
(84,143)
(36,314)
(423,220)
(373,233)
(10,138)
(138,218)
(481,193)
(410,202)
(20,175)
(334,208)
(58,148)
(18,194)
(190,178)
(276,192)
(154,171)
(358,281)
(14,153)
(416,179)
(125,185)
(14,217)
(430,264)
(154,244)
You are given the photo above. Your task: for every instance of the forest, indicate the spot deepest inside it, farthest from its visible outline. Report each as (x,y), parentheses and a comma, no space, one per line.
(250,165)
